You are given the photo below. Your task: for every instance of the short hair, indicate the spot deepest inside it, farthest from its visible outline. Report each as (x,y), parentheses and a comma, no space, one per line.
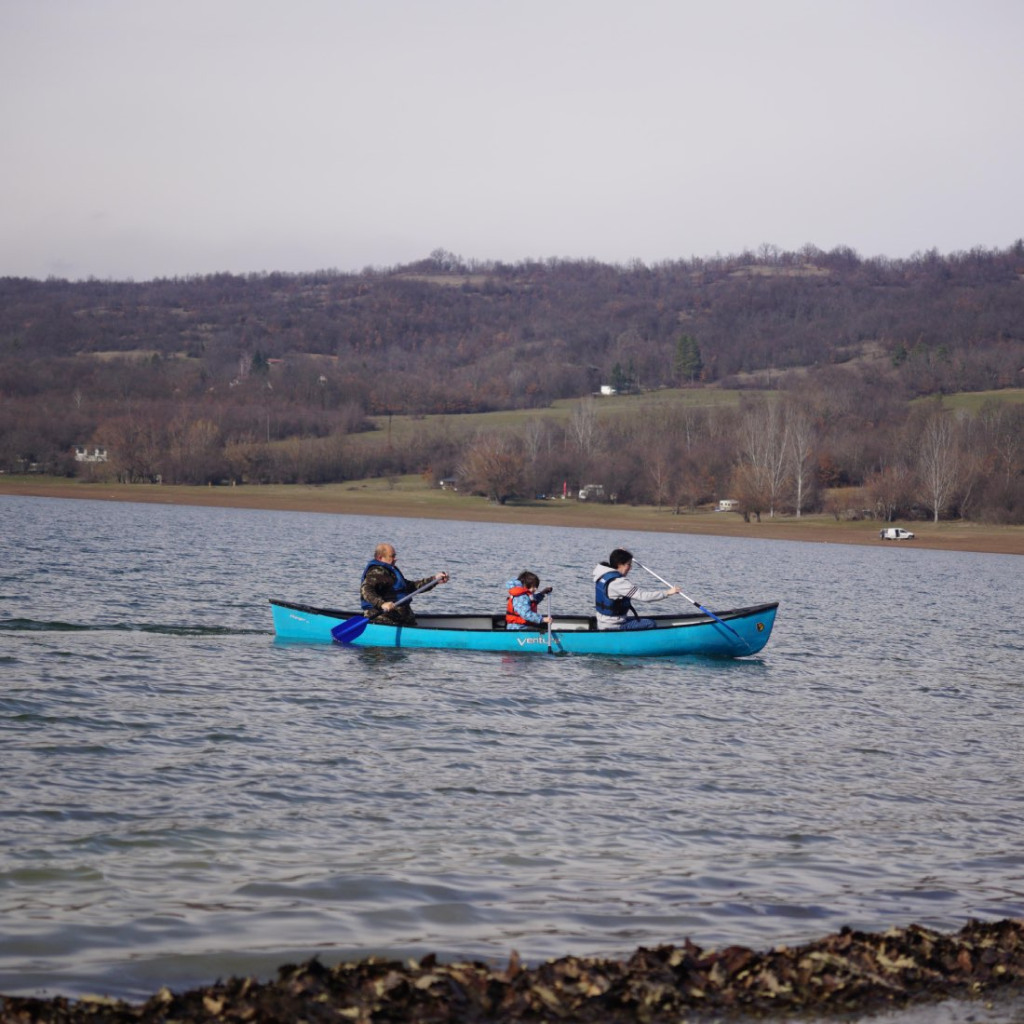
(382,550)
(620,556)
(529,579)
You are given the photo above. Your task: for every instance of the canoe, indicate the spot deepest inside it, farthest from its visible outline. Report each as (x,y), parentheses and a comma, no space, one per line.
(731,634)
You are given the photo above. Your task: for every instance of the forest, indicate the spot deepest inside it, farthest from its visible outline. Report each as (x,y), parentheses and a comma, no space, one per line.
(839,370)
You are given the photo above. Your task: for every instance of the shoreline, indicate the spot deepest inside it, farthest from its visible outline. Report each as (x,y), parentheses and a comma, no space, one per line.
(849,975)
(410,498)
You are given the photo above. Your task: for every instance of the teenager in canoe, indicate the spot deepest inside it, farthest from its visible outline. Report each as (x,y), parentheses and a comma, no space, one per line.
(614,594)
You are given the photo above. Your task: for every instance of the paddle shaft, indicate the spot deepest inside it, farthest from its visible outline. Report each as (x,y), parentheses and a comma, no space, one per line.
(352,629)
(429,585)
(552,635)
(706,611)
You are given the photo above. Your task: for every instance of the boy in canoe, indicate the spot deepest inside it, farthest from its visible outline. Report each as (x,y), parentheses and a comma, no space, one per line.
(523,597)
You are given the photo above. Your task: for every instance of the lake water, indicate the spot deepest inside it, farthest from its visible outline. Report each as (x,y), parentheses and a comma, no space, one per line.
(185,798)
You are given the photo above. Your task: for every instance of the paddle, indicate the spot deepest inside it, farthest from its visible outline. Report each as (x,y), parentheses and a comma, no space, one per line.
(706,611)
(551,633)
(351,629)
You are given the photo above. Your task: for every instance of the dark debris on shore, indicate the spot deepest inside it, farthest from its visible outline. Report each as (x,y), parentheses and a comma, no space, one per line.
(849,972)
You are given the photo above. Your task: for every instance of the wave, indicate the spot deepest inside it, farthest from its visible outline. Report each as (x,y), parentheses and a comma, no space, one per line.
(37,626)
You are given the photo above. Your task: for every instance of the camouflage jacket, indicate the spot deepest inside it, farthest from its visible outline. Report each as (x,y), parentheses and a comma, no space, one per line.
(378,587)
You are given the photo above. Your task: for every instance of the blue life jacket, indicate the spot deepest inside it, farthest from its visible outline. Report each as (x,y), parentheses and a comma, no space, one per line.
(617,606)
(400,586)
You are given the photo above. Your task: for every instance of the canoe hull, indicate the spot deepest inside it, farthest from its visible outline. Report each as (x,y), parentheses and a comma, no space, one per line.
(745,632)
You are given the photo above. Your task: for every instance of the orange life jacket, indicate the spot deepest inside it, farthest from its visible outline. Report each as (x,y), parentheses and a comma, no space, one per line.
(511,618)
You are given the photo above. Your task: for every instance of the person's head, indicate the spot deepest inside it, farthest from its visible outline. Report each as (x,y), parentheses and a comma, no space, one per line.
(529,580)
(621,560)
(385,552)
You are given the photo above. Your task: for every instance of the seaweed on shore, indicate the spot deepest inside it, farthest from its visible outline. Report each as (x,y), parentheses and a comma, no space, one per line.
(841,974)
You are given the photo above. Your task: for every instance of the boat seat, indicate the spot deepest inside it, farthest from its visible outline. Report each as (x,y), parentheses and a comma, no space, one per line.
(578,624)
(499,624)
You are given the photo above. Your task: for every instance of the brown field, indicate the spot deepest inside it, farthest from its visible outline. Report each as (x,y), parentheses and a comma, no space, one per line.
(409,497)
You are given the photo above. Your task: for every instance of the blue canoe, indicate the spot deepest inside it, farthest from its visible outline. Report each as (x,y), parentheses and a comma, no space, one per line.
(733,634)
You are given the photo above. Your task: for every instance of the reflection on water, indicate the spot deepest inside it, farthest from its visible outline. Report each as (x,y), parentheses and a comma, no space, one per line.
(186,798)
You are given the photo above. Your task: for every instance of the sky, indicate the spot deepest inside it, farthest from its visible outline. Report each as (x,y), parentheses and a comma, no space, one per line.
(163,138)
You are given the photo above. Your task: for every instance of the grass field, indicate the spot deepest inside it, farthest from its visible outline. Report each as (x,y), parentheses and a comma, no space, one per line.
(972,401)
(401,428)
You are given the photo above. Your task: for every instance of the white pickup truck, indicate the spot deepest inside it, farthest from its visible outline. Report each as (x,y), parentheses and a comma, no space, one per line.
(895,533)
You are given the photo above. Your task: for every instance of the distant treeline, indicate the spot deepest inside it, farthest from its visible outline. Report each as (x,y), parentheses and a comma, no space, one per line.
(266,376)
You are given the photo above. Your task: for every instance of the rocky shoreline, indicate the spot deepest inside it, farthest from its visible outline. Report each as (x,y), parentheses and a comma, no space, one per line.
(843,974)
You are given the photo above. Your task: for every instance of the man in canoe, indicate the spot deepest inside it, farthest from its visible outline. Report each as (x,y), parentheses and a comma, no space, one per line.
(614,594)
(521,609)
(383,584)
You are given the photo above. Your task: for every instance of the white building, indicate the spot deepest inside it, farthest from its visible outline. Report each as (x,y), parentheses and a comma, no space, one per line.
(90,453)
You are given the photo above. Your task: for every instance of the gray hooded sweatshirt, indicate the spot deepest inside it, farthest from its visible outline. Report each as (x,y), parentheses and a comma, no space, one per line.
(621,587)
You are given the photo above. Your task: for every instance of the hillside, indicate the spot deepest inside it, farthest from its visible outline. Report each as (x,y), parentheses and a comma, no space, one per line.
(443,337)
(277,377)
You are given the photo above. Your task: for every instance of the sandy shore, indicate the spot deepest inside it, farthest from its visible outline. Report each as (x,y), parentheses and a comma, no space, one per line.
(410,498)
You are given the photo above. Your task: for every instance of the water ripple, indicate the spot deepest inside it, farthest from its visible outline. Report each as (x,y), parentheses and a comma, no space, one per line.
(186,798)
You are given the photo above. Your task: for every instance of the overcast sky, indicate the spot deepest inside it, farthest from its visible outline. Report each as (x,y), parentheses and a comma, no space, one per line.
(156,138)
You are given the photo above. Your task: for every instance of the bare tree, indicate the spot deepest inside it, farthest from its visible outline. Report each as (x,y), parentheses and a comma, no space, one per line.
(660,465)
(495,463)
(193,452)
(692,425)
(890,490)
(691,481)
(583,427)
(537,443)
(938,463)
(1005,427)
(134,444)
(750,490)
(763,453)
(535,436)
(800,437)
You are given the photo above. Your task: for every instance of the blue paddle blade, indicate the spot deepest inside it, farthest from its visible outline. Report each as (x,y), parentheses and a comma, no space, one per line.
(349,630)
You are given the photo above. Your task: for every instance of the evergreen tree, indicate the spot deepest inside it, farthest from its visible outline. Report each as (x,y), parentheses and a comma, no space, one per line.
(687,363)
